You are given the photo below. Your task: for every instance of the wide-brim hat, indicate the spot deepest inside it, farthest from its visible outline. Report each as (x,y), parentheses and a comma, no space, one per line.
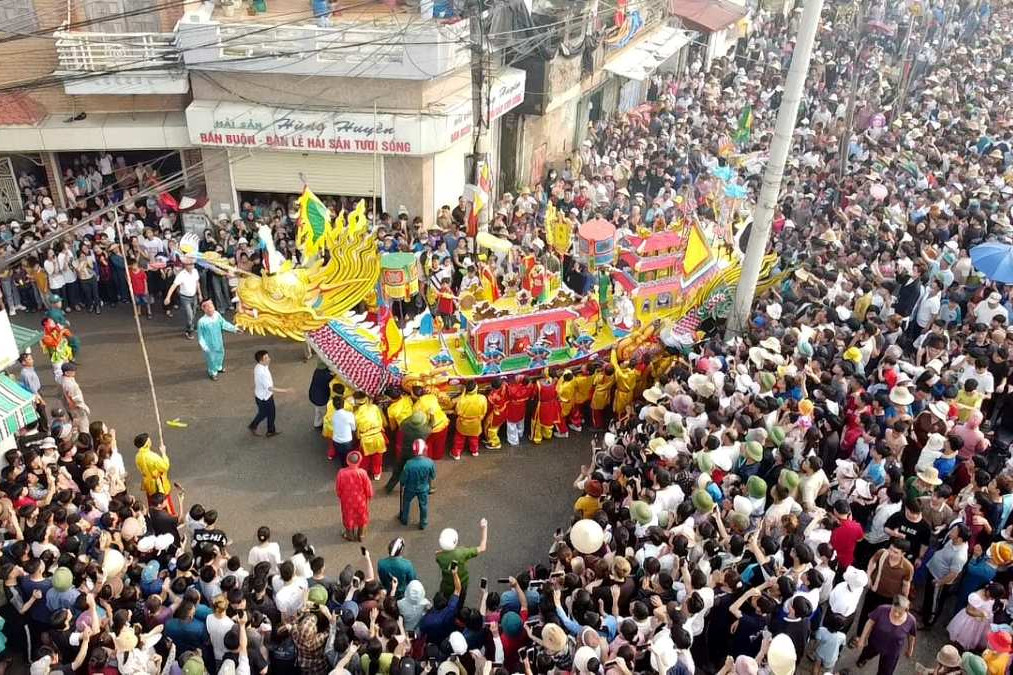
(929,475)
(553,638)
(940,409)
(935,443)
(948,657)
(771,344)
(901,396)
(655,413)
(655,444)
(701,385)
(753,451)
(654,394)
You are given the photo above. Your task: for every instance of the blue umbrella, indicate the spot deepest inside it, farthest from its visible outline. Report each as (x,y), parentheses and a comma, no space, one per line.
(994,259)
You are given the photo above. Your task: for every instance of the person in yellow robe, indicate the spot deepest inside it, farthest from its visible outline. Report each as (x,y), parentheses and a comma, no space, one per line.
(471,408)
(337,390)
(398,411)
(626,383)
(154,469)
(372,439)
(582,388)
(429,404)
(566,389)
(602,384)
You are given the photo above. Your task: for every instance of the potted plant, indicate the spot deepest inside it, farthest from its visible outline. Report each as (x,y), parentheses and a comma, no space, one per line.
(229,6)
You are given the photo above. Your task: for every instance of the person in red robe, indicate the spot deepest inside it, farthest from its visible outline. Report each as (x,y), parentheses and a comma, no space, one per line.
(354,491)
(498,401)
(517,392)
(548,414)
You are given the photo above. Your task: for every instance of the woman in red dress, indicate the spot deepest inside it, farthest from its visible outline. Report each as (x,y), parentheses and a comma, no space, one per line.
(354,491)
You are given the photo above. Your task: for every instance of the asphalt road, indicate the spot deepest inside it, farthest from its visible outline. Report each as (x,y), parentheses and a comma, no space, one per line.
(287,483)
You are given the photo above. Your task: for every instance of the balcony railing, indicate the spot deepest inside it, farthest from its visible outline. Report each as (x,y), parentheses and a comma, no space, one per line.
(80,52)
(378,49)
(120,63)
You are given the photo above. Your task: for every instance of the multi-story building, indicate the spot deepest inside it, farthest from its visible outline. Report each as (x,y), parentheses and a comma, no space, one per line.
(96,75)
(376,100)
(366,99)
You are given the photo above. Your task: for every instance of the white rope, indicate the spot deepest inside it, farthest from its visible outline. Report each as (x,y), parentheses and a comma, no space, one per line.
(140,333)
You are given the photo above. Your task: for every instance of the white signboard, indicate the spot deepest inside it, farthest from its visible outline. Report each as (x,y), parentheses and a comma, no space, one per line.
(239,125)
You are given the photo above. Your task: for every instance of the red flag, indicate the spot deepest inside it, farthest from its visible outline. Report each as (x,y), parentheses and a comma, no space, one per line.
(391,340)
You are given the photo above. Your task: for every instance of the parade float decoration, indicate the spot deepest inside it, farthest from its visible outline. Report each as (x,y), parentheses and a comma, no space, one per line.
(359,310)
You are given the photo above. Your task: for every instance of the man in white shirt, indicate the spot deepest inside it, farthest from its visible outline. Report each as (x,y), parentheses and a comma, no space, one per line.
(263,393)
(188,282)
(343,424)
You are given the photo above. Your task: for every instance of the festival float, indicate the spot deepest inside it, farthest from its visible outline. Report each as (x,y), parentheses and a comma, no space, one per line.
(347,299)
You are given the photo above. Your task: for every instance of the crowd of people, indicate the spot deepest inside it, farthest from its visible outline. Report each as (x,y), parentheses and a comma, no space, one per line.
(835,478)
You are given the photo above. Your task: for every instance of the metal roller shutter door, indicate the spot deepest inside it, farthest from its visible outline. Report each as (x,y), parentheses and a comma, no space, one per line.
(346,174)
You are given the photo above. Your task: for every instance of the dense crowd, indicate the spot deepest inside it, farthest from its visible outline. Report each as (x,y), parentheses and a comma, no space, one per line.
(836,471)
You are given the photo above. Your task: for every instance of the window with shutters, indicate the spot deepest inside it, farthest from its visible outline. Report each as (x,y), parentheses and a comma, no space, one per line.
(18,16)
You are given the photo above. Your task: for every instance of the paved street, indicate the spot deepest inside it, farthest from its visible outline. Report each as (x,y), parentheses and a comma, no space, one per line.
(287,483)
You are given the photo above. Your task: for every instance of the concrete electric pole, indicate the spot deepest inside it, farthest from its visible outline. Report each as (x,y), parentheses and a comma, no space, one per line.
(787,115)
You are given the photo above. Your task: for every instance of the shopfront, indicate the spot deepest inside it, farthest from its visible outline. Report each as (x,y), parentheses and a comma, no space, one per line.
(411,159)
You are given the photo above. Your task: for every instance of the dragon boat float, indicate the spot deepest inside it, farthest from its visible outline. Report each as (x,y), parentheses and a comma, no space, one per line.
(347,300)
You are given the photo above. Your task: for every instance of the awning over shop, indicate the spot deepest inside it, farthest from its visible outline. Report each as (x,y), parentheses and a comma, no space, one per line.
(707,15)
(640,60)
(25,338)
(99,131)
(16,407)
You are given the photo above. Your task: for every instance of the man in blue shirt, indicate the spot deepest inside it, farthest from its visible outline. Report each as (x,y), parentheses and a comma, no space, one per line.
(438,623)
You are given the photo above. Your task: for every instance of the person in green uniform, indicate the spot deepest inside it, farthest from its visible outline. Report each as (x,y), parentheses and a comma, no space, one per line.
(417,477)
(414,428)
(453,557)
(396,567)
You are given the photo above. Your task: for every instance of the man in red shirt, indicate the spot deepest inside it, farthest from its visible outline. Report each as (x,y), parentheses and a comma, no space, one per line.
(846,535)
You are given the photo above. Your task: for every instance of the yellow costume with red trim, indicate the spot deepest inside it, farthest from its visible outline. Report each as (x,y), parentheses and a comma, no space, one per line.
(626,384)
(471,409)
(369,426)
(497,399)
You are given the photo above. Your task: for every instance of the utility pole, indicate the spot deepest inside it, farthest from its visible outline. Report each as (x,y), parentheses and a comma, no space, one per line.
(907,68)
(480,77)
(856,74)
(787,115)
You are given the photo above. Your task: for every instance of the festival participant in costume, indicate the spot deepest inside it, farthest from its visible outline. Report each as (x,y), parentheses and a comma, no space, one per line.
(518,392)
(602,384)
(372,439)
(566,387)
(490,289)
(429,404)
(626,384)
(538,284)
(417,477)
(354,491)
(56,344)
(497,399)
(154,470)
(211,340)
(471,408)
(582,387)
(398,411)
(446,305)
(547,413)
